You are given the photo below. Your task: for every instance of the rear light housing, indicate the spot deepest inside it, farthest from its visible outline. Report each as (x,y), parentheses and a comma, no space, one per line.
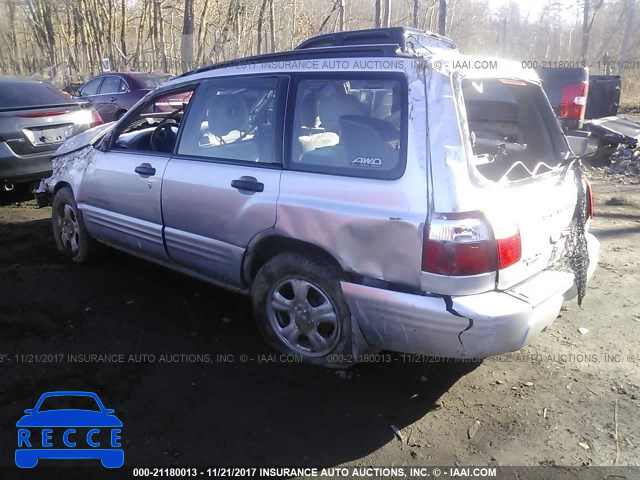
(89,117)
(460,244)
(96,119)
(574,101)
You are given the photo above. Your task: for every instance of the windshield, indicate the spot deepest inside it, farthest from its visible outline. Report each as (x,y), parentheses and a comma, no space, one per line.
(14,94)
(151,80)
(66,402)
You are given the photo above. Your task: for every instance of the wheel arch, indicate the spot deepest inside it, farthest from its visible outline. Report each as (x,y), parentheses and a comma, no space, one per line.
(60,185)
(265,247)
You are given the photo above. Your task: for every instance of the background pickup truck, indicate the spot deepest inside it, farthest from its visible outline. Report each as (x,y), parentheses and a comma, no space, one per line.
(587,107)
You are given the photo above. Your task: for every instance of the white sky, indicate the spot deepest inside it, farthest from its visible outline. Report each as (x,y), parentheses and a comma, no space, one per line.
(533,8)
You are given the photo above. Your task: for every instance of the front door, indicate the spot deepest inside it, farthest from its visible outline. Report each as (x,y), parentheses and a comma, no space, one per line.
(121,190)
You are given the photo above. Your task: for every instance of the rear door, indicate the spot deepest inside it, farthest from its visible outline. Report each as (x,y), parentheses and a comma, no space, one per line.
(106,102)
(222,186)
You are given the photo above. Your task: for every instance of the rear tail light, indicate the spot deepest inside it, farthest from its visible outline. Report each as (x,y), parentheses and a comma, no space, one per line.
(465,244)
(574,101)
(96,119)
(589,192)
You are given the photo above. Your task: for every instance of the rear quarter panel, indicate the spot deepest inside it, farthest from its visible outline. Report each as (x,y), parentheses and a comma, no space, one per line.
(371,227)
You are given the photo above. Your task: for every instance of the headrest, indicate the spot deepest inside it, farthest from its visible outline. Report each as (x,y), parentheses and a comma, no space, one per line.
(227,113)
(335,103)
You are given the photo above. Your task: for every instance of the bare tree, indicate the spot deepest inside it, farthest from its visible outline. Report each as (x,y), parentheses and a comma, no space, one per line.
(587,24)
(387,13)
(186,46)
(377,21)
(442,17)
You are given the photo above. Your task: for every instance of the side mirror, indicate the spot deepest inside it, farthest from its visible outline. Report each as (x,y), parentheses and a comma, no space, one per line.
(29,411)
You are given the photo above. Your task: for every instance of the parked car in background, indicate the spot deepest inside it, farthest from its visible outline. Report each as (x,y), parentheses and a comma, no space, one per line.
(587,108)
(113,94)
(310,185)
(35,119)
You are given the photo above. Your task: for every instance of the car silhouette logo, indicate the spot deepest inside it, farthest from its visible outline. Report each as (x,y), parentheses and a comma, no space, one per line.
(54,430)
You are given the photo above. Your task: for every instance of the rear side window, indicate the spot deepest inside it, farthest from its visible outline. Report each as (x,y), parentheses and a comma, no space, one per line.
(350,125)
(29,94)
(113,84)
(232,119)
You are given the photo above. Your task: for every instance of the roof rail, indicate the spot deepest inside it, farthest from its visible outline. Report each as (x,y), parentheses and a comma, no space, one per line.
(349,51)
(408,39)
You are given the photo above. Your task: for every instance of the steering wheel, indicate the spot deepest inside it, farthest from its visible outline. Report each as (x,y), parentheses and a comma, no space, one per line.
(163,137)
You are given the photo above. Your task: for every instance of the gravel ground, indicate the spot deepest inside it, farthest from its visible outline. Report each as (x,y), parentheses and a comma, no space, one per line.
(572,398)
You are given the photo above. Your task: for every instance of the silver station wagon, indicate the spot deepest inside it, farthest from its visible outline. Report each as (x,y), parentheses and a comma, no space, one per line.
(370,190)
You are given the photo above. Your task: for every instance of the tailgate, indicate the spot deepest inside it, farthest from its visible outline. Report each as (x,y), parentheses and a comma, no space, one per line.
(615,130)
(543,209)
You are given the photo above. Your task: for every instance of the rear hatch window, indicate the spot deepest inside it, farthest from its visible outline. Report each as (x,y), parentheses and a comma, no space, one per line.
(29,94)
(514,133)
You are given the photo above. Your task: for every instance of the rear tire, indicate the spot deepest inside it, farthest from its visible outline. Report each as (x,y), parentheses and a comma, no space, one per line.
(69,232)
(300,310)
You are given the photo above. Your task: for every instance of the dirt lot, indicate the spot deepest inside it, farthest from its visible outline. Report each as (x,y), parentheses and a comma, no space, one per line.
(559,402)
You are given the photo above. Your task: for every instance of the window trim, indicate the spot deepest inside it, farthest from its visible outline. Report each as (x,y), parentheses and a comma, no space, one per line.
(282,90)
(391,175)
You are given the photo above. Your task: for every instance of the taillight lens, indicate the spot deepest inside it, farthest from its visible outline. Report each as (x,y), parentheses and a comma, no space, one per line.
(89,117)
(465,244)
(96,119)
(574,101)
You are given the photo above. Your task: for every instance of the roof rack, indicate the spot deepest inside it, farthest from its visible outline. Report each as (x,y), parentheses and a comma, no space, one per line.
(348,51)
(408,39)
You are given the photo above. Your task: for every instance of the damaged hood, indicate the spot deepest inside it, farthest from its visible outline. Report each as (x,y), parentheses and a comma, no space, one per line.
(84,139)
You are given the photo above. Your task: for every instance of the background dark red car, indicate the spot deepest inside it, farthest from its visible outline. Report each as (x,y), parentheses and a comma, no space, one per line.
(112,94)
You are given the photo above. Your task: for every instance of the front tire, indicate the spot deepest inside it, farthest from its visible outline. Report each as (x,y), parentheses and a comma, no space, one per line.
(300,309)
(69,232)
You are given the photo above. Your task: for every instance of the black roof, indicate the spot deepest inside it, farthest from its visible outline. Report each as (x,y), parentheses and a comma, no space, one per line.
(406,38)
(375,42)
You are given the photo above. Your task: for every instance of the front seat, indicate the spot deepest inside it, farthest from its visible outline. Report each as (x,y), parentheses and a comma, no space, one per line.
(228,121)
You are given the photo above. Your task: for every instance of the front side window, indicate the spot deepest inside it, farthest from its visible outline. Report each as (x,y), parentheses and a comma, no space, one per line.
(151,130)
(349,126)
(232,119)
(91,88)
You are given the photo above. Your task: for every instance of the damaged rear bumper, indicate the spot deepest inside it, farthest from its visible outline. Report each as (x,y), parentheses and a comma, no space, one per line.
(472,326)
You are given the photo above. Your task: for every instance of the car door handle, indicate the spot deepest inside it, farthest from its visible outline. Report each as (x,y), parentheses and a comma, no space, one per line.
(113,99)
(248,184)
(146,170)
